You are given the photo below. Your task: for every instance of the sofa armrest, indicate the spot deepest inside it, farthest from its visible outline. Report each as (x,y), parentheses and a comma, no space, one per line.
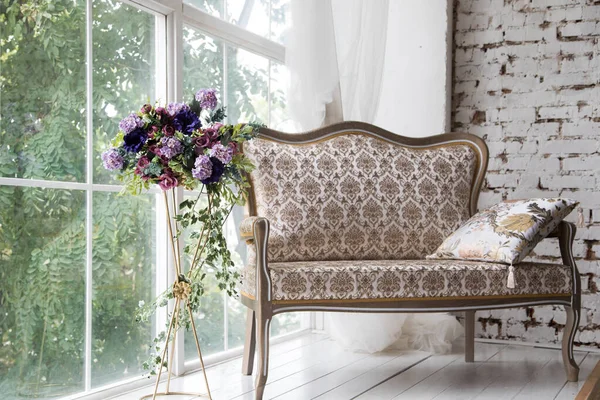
(566,235)
(255,231)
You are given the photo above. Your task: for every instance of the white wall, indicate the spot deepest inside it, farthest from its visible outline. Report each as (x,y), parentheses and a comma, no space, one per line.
(415,96)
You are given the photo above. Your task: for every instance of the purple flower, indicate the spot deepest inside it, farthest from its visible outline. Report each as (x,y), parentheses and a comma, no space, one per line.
(142,163)
(217,170)
(131,122)
(170,147)
(167,180)
(134,140)
(203,168)
(201,143)
(207,98)
(168,130)
(222,153)
(111,159)
(213,131)
(186,121)
(175,108)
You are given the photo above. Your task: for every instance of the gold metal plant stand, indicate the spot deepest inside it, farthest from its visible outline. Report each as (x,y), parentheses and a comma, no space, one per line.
(181,291)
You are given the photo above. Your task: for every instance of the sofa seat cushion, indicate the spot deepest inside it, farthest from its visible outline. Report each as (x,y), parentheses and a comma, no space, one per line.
(389,279)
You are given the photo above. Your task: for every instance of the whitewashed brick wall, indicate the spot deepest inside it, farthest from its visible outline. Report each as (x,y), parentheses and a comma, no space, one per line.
(527,80)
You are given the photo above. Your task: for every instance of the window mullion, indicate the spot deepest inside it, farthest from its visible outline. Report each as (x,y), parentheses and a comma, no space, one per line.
(89,200)
(174,79)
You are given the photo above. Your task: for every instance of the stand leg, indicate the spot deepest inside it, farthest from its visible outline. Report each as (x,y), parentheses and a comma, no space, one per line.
(250,343)
(198,349)
(469,336)
(172,354)
(162,357)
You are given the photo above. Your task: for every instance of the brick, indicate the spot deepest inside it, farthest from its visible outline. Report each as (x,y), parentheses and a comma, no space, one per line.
(473,38)
(569,146)
(564,14)
(540,333)
(487,132)
(585,163)
(496,148)
(517,147)
(528,33)
(554,48)
(577,64)
(543,314)
(547,248)
(556,112)
(588,28)
(590,13)
(489,198)
(568,181)
(581,128)
(475,21)
(512,114)
(558,81)
(502,180)
(552,3)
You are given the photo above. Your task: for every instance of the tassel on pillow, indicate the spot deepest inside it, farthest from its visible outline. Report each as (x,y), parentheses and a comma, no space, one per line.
(510,282)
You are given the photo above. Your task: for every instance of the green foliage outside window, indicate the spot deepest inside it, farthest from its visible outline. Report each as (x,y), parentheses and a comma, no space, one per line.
(43,231)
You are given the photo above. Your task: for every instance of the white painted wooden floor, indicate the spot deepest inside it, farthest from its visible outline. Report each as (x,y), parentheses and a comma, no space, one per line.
(314,367)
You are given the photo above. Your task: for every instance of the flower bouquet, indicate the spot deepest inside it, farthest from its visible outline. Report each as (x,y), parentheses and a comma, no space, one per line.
(185,145)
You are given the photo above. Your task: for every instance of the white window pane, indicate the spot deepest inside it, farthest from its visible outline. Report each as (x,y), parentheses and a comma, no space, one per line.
(124,71)
(266,18)
(280,20)
(210,322)
(42,292)
(247,86)
(203,68)
(212,7)
(123,275)
(42,112)
(280,81)
(252,15)
(202,63)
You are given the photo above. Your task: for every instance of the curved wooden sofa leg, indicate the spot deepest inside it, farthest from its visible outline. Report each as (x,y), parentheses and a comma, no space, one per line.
(571,367)
(249,343)
(263,328)
(469,336)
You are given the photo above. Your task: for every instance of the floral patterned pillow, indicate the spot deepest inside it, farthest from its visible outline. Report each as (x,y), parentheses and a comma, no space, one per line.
(505,232)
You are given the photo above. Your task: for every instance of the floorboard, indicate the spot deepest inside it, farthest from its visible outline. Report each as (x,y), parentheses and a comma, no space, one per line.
(314,367)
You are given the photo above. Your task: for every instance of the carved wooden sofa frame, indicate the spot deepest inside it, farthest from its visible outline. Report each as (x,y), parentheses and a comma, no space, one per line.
(262,308)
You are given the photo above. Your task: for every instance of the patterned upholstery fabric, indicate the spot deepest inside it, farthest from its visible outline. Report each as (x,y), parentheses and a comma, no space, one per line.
(354,197)
(314,280)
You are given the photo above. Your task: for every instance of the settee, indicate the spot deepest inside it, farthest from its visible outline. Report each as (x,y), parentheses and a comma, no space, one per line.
(341,219)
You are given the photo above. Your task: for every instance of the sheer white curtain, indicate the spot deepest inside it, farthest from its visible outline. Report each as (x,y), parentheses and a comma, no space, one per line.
(335,51)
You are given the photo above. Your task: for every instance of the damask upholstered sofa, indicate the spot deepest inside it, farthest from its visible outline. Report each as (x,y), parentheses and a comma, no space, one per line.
(341,219)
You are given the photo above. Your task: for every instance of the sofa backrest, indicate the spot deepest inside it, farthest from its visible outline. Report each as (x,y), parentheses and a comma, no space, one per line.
(353,191)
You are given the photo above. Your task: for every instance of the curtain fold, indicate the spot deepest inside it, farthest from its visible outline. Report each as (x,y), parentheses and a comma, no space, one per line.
(311,57)
(335,52)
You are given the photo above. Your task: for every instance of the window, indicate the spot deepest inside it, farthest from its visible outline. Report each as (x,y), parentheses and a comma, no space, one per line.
(75,257)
